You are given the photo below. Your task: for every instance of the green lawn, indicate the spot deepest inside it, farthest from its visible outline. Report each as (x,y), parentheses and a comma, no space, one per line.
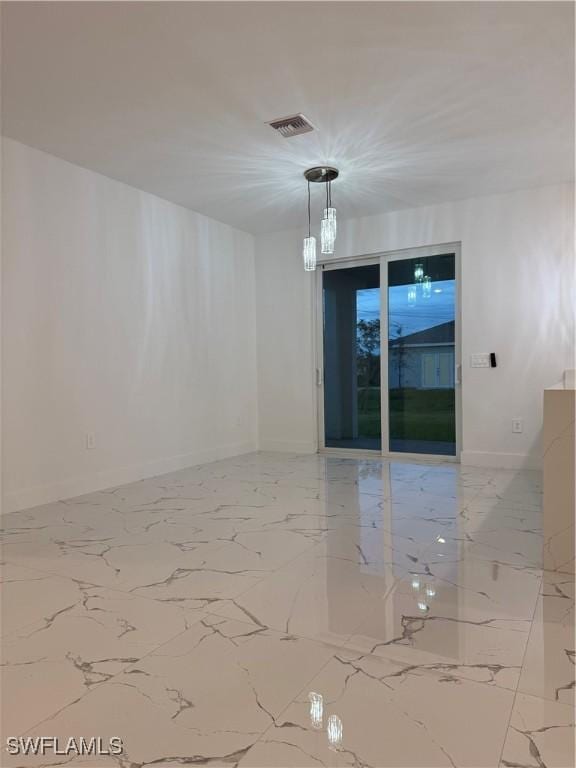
(369,412)
(415,414)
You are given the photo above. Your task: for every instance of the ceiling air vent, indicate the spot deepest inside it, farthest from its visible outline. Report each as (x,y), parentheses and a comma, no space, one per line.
(291,126)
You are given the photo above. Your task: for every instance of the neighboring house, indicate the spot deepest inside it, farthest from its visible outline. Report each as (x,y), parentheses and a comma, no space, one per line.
(423,360)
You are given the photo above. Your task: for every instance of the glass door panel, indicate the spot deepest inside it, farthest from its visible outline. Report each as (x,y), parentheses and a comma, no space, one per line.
(421,354)
(351,313)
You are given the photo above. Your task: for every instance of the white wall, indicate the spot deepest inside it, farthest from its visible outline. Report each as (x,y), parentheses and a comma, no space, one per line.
(517,301)
(135,319)
(123,315)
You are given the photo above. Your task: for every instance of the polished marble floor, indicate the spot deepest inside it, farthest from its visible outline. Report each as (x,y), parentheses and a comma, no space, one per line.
(192,615)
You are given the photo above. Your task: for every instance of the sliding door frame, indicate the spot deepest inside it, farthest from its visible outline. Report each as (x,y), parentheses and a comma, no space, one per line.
(383,259)
(349,263)
(419,253)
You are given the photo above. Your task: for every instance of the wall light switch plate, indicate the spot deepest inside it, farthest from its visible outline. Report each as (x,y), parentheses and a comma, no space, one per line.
(517,425)
(90,441)
(480,360)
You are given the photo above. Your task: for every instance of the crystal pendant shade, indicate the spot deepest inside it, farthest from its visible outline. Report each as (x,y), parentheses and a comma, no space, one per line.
(309,254)
(328,230)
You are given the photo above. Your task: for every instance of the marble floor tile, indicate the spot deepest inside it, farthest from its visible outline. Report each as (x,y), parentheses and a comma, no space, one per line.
(318,596)
(541,733)
(29,596)
(54,660)
(490,654)
(389,718)
(482,588)
(504,546)
(191,615)
(204,697)
(493,514)
(372,549)
(559,551)
(549,669)
(149,569)
(471,615)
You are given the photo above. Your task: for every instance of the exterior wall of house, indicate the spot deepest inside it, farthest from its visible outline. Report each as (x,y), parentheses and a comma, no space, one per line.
(412,366)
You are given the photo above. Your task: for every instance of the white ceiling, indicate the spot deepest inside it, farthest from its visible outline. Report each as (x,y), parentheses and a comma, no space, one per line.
(416,103)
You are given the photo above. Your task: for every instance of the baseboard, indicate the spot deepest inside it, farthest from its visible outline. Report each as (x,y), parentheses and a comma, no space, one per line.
(78,486)
(288,446)
(501,460)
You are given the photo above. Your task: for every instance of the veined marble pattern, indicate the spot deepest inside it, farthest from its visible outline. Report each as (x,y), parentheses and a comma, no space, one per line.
(192,615)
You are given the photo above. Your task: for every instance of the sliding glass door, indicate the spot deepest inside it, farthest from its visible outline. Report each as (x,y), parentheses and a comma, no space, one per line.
(421,354)
(352,414)
(388,369)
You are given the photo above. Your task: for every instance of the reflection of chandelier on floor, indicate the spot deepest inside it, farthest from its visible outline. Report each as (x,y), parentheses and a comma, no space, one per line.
(326,175)
(422,285)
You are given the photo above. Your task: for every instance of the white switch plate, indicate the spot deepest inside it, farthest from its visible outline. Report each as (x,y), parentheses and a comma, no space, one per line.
(90,441)
(517,425)
(480,360)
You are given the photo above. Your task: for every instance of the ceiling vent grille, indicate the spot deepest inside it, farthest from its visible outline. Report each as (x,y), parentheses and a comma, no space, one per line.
(291,126)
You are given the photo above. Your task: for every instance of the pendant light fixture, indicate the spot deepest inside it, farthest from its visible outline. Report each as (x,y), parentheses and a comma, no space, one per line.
(328,223)
(309,250)
(325,175)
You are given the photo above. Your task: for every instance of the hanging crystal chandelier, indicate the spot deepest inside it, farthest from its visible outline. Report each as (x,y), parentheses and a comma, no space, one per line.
(325,175)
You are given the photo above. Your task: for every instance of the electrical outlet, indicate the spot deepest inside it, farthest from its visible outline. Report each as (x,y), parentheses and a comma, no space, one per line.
(517,425)
(90,441)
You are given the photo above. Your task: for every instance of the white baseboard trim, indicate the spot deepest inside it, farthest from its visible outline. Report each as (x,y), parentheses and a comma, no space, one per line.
(501,460)
(79,486)
(281,446)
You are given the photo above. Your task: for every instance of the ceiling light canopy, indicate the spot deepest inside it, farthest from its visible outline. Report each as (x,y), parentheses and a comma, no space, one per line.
(321,174)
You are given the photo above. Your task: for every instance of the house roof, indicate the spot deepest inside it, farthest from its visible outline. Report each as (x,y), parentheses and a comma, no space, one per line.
(438,334)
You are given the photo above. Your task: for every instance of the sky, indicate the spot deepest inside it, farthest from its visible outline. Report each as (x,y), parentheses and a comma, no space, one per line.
(424,313)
